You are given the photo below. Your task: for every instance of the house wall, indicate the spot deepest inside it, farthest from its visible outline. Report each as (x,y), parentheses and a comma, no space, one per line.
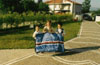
(66,7)
(51,7)
(71,5)
(71,8)
(97,19)
(74,8)
(57,7)
(78,9)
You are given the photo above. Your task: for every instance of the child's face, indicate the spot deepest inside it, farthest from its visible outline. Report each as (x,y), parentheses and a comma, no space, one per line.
(48,24)
(59,26)
(37,28)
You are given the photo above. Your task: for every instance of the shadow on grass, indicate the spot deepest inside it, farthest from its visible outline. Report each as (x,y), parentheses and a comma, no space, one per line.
(27,38)
(77,51)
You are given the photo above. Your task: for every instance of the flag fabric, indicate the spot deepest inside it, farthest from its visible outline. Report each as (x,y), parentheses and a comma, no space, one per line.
(49,42)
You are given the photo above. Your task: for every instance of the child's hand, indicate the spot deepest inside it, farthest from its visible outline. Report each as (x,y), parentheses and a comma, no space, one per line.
(63,34)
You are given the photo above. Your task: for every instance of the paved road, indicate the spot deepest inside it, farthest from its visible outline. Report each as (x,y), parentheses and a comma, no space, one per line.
(82,50)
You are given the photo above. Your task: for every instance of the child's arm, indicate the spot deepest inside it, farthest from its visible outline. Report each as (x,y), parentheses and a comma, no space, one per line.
(57,31)
(45,30)
(34,35)
(64,32)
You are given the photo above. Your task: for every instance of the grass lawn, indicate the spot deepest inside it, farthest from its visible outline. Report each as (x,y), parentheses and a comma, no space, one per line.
(98,22)
(22,39)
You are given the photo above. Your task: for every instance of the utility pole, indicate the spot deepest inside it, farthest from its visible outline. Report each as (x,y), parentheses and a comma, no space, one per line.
(74,8)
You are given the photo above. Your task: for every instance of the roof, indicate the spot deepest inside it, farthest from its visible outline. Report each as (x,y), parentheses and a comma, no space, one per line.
(73,2)
(60,1)
(54,1)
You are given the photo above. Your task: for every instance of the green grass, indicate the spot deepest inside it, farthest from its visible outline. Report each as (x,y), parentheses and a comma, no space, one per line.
(71,29)
(98,22)
(22,39)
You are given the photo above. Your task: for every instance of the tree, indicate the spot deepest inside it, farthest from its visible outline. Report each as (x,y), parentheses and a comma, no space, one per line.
(39,1)
(43,7)
(1,21)
(86,6)
(11,5)
(29,5)
(23,6)
(97,12)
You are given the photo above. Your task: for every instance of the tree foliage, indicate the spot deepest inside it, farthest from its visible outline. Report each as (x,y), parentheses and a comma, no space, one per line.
(86,6)
(11,5)
(43,7)
(29,5)
(97,12)
(15,19)
(22,6)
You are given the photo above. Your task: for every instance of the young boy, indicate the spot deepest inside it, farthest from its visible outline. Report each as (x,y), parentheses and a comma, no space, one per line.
(36,31)
(60,29)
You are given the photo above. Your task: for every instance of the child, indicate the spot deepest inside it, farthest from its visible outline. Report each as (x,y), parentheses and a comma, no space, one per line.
(60,29)
(48,27)
(36,31)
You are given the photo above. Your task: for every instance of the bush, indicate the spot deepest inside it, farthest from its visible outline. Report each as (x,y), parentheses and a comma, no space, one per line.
(1,21)
(17,19)
(30,16)
(41,18)
(8,19)
(14,19)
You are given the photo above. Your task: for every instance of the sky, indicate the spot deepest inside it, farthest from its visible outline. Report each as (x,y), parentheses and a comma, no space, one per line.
(94,3)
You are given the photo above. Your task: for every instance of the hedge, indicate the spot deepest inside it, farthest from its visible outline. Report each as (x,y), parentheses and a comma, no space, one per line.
(14,19)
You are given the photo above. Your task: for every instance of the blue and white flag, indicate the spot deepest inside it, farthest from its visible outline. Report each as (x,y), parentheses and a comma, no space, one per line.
(49,42)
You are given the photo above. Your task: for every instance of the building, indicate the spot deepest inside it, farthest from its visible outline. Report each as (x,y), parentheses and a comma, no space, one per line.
(64,6)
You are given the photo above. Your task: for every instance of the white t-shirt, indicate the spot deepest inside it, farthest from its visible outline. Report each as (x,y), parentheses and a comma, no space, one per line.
(35,33)
(59,30)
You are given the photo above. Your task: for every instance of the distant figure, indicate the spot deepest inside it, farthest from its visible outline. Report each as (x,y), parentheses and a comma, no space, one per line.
(48,28)
(60,30)
(36,31)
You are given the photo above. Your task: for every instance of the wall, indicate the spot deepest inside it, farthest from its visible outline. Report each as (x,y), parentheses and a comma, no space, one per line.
(57,7)
(70,7)
(78,9)
(97,19)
